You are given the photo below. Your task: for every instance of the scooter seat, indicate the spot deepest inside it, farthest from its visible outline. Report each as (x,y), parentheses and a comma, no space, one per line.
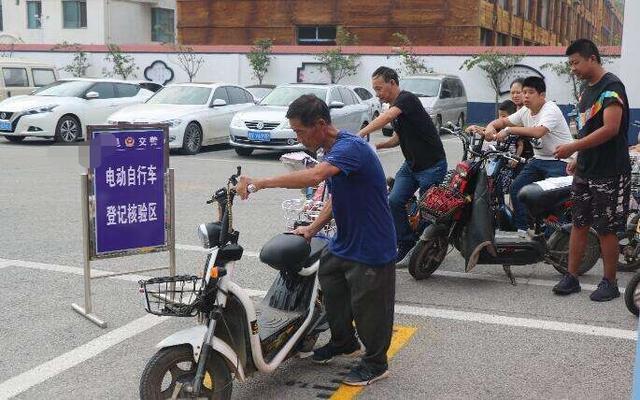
(543,197)
(291,252)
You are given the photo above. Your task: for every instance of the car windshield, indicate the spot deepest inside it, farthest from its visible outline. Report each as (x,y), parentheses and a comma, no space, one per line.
(259,92)
(421,87)
(283,96)
(65,89)
(181,95)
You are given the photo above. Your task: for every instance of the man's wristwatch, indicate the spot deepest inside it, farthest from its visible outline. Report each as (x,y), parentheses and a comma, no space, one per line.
(251,188)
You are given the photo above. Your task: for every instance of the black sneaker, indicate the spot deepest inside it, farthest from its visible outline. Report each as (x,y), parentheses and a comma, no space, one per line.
(606,291)
(567,285)
(362,375)
(325,354)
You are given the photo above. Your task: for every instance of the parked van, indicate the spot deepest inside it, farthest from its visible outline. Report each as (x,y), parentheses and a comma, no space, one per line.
(443,96)
(18,76)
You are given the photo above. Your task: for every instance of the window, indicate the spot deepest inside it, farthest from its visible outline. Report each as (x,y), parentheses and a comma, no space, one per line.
(516,41)
(162,25)
(236,95)
(347,96)
(248,96)
(42,77)
(526,12)
(74,14)
(104,89)
(1,17)
(543,11)
(34,12)
(515,8)
(15,77)
(127,90)
(486,37)
(335,96)
(363,93)
(504,4)
(503,40)
(221,93)
(317,35)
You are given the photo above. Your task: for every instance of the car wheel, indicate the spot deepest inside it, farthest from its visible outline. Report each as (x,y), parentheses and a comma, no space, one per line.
(68,129)
(192,141)
(15,139)
(242,151)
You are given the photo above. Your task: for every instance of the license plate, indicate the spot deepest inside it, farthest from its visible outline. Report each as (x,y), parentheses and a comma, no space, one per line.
(5,125)
(259,136)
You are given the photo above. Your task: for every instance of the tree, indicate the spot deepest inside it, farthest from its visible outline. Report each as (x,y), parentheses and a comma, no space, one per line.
(260,58)
(337,64)
(411,63)
(188,61)
(563,70)
(123,65)
(495,67)
(80,63)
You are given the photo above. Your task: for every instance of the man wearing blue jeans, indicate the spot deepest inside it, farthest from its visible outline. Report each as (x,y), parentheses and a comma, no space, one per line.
(425,161)
(542,122)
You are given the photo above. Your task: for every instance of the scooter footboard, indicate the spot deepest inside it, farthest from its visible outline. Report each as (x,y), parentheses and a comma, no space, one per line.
(194,337)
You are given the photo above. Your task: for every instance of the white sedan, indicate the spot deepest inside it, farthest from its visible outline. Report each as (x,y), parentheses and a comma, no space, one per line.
(197,114)
(63,109)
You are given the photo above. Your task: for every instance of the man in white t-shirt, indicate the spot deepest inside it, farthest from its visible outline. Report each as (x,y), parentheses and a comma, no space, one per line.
(545,125)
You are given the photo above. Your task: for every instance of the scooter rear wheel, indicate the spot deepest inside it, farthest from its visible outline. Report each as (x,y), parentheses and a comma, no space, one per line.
(632,295)
(173,365)
(427,256)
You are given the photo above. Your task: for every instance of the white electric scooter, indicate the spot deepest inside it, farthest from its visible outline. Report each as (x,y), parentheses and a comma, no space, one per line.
(236,337)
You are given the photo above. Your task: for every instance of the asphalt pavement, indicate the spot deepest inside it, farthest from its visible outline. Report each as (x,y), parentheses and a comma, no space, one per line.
(473,336)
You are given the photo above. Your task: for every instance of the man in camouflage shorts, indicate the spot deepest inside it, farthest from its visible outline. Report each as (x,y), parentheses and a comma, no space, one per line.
(601,185)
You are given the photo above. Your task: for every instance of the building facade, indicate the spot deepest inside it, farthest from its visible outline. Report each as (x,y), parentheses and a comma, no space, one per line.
(425,22)
(88,21)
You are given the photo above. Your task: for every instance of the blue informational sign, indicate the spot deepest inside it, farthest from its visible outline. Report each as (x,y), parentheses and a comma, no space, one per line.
(128,171)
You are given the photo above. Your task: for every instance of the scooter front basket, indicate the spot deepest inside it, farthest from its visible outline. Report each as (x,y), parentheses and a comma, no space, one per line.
(440,202)
(175,296)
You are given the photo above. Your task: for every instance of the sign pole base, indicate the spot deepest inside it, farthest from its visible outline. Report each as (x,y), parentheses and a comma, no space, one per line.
(91,317)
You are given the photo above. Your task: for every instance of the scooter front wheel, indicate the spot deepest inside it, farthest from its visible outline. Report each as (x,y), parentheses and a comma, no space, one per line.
(427,256)
(632,295)
(172,368)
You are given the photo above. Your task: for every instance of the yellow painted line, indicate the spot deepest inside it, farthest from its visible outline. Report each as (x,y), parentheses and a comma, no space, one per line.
(400,337)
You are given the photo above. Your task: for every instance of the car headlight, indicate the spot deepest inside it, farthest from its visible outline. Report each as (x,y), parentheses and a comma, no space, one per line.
(285,124)
(172,122)
(40,110)
(237,121)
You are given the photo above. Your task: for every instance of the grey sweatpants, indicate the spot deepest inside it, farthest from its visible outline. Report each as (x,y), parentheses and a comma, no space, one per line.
(358,292)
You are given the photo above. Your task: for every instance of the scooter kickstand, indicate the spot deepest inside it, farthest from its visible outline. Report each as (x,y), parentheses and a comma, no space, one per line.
(507,270)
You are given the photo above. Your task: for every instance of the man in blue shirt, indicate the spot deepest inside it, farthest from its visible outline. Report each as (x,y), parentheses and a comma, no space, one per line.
(357,273)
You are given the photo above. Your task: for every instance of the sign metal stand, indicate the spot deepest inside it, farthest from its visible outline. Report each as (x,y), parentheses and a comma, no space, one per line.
(127,144)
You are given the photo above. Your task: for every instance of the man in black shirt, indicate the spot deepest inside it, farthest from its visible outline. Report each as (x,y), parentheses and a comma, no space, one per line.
(601,183)
(425,161)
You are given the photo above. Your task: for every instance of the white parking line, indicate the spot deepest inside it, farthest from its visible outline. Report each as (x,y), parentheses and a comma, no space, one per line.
(493,319)
(450,274)
(49,369)
(26,380)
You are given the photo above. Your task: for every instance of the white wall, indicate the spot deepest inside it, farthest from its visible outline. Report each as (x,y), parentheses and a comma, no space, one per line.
(130,22)
(234,68)
(630,59)
(108,21)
